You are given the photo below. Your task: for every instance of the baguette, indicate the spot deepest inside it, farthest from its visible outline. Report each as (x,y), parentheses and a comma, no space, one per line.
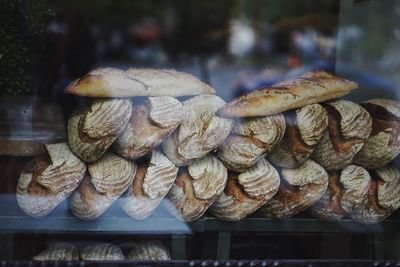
(111,82)
(310,88)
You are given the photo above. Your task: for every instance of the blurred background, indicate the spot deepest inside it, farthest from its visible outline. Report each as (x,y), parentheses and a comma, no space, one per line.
(234,45)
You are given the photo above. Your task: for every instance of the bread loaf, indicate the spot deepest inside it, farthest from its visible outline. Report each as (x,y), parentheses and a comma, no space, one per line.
(299,189)
(349,125)
(101,252)
(250,140)
(152,182)
(246,192)
(149,125)
(200,131)
(110,82)
(346,188)
(149,251)
(59,252)
(196,188)
(304,129)
(381,199)
(310,88)
(48,179)
(94,127)
(383,145)
(105,181)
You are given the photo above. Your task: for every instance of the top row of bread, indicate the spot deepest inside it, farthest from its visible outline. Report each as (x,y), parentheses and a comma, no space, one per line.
(310,88)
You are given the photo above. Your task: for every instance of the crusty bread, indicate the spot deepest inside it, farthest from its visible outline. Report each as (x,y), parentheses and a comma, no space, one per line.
(299,189)
(246,192)
(383,145)
(196,188)
(149,125)
(110,82)
(310,88)
(304,129)
(152,182)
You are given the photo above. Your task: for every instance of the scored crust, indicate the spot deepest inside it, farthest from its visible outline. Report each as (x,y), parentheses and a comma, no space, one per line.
(310,88)
(111,82)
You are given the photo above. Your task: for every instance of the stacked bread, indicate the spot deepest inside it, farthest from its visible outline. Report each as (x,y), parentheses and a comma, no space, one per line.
(279,150)
(141,251)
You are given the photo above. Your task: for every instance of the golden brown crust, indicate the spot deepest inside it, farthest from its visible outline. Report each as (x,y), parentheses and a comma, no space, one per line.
(310,88)
(110,82)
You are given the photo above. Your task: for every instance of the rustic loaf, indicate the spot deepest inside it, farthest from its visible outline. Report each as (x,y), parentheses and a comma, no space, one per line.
(106,180)
(111,82)
(196,188)
(149,125)
(304,129)
(48,179)
(200,132)
(152,182)
(250,140)
(246,192)
(383,145)
(349,125)
(309,88)
(93,127)
(299,189)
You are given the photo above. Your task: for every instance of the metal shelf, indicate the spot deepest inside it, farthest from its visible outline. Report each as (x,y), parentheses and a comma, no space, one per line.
(114,220)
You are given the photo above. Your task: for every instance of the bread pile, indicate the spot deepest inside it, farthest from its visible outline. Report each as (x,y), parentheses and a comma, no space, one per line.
(278,151)
(140,251)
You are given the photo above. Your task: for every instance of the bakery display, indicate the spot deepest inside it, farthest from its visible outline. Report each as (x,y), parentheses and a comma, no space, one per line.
(151,183)
(309,88)
(203,155)
(49,179)
(299,189)
(349,125)
(60,251)
(246,192)
(93,128)
(101,252)
(200,132)
(111,82)
(149,125)
(250,140)
(151,250)
(196,188)
(304,129)
(383,145)
(106,180)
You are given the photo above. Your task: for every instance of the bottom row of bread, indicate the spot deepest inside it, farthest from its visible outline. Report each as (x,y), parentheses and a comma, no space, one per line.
(204,185)
(147,250)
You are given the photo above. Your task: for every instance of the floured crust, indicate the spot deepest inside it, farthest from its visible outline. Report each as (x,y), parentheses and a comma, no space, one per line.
(48,179)
(111,82)
(94,127)
(250,140)
(304,129)
(200,132)
(106,180)
(383,145)
(101,252)
(246,192)
(152,182)
(151,250)
(196,188)
(349,125)
(300,188)
(149,125)
(310,88)
(58,252)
